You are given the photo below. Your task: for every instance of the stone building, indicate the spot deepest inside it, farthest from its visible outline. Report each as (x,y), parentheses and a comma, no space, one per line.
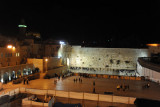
(12,64)
(154,49)
(9,56)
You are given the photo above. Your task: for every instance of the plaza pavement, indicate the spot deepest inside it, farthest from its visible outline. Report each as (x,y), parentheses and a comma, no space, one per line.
(101,85)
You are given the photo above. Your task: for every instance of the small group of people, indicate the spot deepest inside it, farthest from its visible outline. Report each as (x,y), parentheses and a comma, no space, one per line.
(123,87)
(75,80)
(146,85)
(25,81)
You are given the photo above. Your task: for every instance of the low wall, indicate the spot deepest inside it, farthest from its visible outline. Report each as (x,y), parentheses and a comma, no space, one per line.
(148,73)
(28,101)
(67,94)
(52,62)
(59,71)
(80,95)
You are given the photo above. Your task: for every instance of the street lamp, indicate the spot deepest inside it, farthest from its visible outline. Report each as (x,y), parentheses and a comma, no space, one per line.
(9,46)
(46,60)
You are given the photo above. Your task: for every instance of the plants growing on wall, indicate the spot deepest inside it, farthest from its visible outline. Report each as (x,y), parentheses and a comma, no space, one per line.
(107,65)
(111,61)
(118,62)
(127,62)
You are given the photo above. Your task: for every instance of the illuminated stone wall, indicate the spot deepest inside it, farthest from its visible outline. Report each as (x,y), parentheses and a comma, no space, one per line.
(103,59)
(43,65)
(53,62)
(37,63)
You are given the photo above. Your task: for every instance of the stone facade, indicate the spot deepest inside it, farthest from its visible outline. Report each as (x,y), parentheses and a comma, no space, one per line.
(36,62)
(104,59)
(45,65)
(154,50)
(9,57)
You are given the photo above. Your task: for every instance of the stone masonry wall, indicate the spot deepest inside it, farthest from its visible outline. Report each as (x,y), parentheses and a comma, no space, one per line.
(105,58)
(36,62)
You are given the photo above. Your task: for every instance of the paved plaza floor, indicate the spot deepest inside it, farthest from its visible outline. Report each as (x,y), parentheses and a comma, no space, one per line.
(101,85)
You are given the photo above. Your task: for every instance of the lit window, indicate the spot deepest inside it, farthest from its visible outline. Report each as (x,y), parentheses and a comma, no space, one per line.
(18,54)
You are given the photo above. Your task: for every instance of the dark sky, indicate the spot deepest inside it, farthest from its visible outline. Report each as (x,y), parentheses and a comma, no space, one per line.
(100,20)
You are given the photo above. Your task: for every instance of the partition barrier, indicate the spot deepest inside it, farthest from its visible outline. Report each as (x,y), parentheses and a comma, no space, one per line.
(74,95)
(81,95)
(110,76)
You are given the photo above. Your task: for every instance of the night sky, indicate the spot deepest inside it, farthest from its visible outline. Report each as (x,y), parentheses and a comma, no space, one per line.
(101,22)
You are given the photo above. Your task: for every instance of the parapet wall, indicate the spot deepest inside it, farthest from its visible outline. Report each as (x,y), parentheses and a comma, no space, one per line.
(105,58)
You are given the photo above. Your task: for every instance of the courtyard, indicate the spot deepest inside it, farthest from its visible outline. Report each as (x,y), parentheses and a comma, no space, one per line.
(101,85)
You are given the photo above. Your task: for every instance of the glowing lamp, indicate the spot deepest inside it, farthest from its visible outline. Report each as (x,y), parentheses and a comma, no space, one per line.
(22,26)
(155,45)
(62,43)
(13,48)
(9,46)
(46,60)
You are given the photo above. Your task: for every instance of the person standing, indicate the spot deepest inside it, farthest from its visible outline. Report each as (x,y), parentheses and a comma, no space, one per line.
(94,91)
(94,83)
(24,81)
(27,81)
(74,80)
